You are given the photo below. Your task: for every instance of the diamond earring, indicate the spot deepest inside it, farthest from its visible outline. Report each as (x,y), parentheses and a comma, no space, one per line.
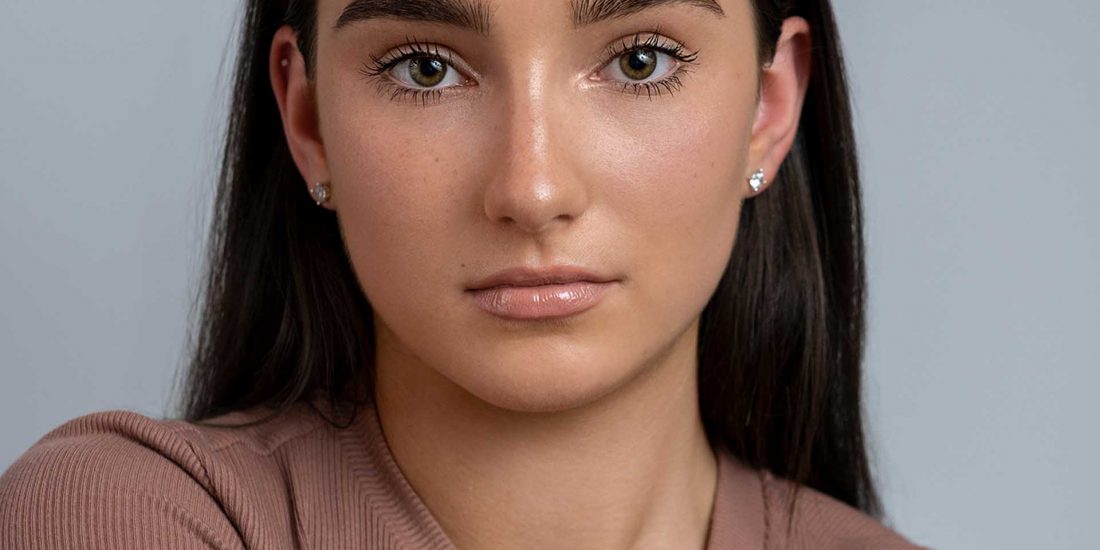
(757,181)
(321,193)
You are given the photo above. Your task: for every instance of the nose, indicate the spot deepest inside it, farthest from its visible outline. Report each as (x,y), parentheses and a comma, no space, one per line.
(533,186)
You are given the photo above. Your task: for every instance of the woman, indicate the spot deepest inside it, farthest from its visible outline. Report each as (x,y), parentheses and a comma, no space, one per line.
(474,284)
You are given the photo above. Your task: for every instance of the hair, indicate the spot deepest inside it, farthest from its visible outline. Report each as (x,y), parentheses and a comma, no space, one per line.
(780,342)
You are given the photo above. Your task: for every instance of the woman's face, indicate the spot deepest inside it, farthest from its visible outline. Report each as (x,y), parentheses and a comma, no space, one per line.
(611,152)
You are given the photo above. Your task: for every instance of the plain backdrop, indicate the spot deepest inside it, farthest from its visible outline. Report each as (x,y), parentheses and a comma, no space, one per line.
(977,125)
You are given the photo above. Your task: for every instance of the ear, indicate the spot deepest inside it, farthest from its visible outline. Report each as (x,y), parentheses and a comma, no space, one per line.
(294,93)
(783,86)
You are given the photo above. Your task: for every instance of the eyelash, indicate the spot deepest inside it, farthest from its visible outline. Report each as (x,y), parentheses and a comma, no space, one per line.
(377,67)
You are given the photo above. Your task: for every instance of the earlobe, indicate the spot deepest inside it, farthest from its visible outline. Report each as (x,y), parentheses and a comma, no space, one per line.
(783,85)
(294,94)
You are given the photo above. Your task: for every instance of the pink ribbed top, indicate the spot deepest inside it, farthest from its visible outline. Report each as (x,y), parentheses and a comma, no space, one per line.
(122,480)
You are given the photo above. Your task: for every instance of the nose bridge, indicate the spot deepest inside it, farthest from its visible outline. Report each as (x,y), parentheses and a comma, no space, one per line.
(534,187)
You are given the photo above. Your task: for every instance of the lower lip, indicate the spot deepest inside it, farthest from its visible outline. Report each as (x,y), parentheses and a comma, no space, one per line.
(529,303)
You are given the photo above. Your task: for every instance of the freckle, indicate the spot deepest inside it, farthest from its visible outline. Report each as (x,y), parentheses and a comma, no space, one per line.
(437,160)
(463,265)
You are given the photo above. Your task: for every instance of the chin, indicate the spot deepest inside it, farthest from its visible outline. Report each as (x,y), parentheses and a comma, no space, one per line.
(541,383)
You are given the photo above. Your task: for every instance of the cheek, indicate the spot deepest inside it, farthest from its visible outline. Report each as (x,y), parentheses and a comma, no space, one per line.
(397,188)
(674,187)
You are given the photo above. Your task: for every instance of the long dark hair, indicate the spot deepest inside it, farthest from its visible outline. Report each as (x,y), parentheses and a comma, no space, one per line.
(781,341)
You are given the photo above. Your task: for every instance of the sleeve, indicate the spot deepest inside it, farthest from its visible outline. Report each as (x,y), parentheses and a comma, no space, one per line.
(111,480)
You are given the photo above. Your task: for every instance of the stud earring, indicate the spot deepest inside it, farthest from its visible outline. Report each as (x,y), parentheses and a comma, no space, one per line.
(757,181)
(321,193)
(284,62)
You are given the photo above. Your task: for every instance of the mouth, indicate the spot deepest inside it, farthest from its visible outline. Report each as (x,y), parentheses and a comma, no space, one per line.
(547,276)
(525,294)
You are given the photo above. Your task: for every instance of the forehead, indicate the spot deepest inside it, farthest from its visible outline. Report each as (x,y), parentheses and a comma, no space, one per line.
(480,15)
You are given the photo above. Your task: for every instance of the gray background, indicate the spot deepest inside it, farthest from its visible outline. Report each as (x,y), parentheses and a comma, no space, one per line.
(977,126)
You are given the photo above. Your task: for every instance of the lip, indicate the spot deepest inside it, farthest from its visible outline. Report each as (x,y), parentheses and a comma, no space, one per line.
(527,294)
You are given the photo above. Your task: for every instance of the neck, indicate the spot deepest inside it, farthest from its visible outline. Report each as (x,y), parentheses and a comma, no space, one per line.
(631,469)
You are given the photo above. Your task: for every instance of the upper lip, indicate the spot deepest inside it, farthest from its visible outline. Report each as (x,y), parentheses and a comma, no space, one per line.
(528,276)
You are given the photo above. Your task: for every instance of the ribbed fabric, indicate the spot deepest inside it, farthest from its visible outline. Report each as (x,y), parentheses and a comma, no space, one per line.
(122,480)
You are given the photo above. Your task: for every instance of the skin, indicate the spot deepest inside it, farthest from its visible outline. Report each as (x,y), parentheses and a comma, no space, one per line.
(574,433)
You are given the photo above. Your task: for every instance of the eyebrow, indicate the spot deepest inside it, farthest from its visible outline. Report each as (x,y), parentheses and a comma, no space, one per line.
(468,14)
(588,12)
(476,15)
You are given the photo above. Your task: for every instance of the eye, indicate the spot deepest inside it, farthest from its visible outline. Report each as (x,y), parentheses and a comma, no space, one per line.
(416,71)
(425,72)
(640,65)
(647,62)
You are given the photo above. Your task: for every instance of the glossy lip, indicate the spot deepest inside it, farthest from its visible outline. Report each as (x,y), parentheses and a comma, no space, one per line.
(529,294)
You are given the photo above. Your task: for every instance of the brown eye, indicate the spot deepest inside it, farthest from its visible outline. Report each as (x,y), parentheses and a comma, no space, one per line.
(427,71)
(638,64)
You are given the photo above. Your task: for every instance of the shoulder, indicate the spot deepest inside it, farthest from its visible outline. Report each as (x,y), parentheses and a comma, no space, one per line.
(820,521)
(86,481)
